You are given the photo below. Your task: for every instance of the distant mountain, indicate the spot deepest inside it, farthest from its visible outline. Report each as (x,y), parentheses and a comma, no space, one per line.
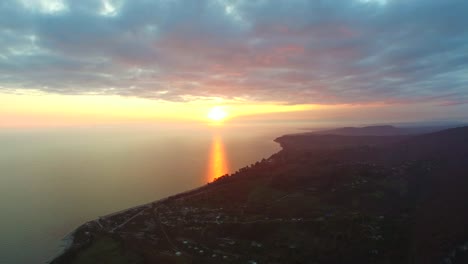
(382,130)
(319,142)
(327,199)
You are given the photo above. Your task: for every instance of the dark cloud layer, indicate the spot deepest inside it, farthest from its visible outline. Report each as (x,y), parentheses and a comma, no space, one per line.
(293,51)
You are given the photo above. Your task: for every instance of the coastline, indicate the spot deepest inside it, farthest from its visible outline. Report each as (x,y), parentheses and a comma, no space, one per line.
(65,244)
(72,245)
(277,209)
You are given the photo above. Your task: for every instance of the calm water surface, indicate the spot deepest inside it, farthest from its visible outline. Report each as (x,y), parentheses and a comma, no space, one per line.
(52,180)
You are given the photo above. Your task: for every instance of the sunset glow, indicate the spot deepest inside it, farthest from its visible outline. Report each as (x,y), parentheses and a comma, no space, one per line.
(217,114)
(68,110)
(218,165)
(39,109)
(66,63)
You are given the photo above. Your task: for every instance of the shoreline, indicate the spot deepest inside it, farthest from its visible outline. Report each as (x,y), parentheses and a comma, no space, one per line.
(70,238)
(65,244)
(355,187)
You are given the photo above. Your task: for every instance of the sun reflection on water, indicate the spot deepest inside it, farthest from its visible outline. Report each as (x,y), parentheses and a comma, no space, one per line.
(218,165)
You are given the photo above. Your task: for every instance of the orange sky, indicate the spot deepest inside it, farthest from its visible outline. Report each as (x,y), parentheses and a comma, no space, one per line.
(51,110)
(41,109)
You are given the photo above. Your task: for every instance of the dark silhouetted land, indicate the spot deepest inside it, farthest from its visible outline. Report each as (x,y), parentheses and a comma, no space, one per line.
(373,195)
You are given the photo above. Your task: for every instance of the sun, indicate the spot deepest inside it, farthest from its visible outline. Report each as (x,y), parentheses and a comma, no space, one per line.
(217,113)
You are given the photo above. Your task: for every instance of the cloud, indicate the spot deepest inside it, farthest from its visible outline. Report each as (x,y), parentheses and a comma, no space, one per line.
(293,51)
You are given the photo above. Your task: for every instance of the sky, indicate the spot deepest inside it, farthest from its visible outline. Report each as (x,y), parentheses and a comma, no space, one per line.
(96,61)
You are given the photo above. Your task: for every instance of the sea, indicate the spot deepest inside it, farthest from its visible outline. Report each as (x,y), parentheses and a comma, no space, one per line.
(54,179)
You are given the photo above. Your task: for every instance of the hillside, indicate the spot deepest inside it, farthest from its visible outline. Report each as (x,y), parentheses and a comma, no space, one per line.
(322,199)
